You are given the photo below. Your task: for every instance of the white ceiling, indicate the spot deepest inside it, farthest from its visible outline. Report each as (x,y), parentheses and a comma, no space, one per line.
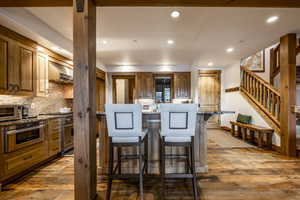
(137,36)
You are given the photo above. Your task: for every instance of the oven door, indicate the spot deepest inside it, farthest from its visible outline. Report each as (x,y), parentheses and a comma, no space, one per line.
(20,138)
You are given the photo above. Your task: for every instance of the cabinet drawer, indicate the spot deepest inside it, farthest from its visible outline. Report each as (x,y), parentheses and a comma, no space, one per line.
(54,148)
(54,136)
(24,160)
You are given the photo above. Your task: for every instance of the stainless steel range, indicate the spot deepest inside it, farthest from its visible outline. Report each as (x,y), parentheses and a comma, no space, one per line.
(67,134)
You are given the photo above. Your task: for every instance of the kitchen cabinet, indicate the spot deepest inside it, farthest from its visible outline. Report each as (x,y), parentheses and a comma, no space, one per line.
(68,91)
(21,69)
(23,159)
(144,85)
(182,85)
(42,75)
(17,67)
(3,63)
(54,133)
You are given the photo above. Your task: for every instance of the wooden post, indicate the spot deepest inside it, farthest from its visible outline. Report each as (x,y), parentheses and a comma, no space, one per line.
(288,94)
(84,38)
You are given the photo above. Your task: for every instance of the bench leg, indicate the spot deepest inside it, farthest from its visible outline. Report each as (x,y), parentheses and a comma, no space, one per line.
(252,136)
(260,140)
(244,133)
(269,140)
(232,129)
(239,131)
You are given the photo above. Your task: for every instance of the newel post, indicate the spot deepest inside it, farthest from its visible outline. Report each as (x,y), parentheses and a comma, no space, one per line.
(288,94)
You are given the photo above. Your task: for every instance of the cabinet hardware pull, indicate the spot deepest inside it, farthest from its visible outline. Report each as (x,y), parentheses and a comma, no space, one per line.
(27,158)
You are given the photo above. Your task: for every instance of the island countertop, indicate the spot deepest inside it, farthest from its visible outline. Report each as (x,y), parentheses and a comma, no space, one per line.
(198,113)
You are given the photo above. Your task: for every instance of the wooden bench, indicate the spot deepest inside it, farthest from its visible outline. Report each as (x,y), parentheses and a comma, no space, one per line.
(261,131)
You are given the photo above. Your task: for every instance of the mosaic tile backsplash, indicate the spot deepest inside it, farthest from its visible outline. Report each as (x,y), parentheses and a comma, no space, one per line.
(49,104)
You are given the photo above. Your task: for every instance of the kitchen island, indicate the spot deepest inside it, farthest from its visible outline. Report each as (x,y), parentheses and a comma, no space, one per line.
(151,121)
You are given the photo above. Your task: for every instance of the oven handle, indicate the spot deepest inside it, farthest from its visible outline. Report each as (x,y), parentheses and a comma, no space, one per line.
(24,129)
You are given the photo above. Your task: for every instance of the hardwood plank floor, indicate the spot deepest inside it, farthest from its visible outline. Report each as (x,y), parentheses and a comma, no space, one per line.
(235,173)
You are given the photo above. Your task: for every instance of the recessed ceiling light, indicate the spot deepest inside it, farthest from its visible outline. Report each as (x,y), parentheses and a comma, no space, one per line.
(229,50)
(210,64)
(175,14)
(272,19)
(104,42)
(170,42)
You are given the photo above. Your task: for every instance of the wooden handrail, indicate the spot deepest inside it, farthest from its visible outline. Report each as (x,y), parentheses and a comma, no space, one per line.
(270,87)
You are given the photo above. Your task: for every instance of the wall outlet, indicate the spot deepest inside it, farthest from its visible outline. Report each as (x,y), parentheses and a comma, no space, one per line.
(32,106)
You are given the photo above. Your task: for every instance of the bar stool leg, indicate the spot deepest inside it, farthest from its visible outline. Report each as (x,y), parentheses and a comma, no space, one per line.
(187,160)
(162,167)
(146,155)
(141,170)
(195,188)
(119,160)
(111,166)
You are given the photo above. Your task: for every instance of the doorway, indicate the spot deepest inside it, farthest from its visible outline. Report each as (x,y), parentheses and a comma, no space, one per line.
(123,89)
(209,84)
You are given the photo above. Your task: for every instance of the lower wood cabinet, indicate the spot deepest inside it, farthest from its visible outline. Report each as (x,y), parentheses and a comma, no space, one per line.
(23,159)
(54,133)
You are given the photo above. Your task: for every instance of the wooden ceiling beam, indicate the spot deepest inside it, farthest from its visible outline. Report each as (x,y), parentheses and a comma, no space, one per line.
(158,3)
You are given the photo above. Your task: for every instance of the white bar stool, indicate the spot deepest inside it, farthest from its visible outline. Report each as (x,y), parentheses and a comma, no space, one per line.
(178,127)
(124,123)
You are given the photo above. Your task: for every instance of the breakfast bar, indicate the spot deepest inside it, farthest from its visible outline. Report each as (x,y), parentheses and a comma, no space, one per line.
(151,121)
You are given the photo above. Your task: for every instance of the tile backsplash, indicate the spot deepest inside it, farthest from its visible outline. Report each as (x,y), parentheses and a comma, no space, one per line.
(52,103)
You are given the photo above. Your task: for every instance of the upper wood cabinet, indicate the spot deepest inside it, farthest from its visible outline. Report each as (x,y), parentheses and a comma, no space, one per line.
(144,85)
(17,67)
(182,85)
(26,68)
(42,75)
(3,64)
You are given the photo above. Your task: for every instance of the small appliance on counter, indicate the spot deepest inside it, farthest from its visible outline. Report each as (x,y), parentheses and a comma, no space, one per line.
(65,110)
(25,111)
(10,112)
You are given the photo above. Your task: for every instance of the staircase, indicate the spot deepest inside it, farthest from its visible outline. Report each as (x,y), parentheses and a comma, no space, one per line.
(262,96)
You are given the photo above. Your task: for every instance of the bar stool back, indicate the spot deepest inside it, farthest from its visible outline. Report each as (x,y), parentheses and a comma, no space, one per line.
(124,122)
(178,127)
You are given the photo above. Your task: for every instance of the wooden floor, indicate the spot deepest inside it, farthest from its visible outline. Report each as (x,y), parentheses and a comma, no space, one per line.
(236,173)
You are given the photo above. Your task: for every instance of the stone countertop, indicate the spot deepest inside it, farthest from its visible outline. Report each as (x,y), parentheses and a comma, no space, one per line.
(39,118)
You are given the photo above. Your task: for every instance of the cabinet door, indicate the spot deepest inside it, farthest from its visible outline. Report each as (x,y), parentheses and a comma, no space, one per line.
(26,69)
(144,85)
(21,68)
(42,75)
(182,85)
(13,67)
(3,64)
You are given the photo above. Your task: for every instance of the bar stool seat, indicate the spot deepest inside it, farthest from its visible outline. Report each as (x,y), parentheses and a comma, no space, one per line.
(126,139)
(178,139)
